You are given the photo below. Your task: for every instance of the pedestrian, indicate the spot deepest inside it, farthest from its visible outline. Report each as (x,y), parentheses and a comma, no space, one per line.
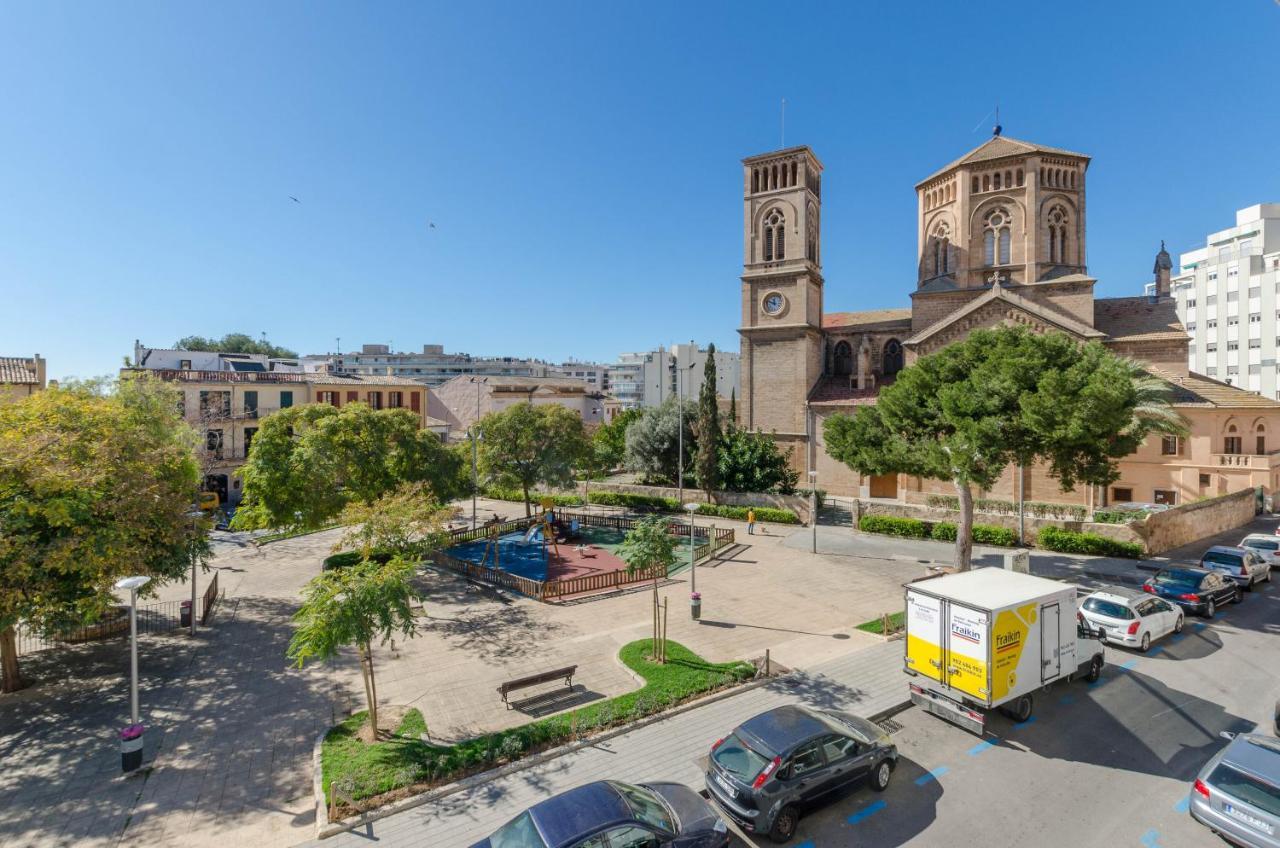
(751,522)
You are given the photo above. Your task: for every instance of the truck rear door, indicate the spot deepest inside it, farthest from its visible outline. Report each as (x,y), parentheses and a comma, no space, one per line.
(968,651)
(1050,642)
(925,638)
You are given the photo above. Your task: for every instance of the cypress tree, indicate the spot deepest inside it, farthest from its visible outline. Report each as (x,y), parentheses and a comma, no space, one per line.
(706,465)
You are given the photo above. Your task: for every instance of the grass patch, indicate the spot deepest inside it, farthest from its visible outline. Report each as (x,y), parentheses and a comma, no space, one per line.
(291,534)
(876,625)
(379,772)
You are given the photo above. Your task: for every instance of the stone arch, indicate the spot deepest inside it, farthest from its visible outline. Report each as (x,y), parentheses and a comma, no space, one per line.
(891,358)
(842,359)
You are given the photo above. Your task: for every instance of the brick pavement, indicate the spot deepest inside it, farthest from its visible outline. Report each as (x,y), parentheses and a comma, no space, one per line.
(865,682)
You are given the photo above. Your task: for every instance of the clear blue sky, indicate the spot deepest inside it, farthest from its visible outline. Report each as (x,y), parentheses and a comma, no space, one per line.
(580,161)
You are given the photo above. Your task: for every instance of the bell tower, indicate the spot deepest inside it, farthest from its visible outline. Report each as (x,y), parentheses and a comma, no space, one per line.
(781,331)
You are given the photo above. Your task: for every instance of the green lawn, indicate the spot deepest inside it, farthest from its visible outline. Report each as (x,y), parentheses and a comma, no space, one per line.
(405,760)
(876,625)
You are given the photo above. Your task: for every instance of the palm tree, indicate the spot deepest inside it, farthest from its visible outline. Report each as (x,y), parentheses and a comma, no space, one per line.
(1153,410)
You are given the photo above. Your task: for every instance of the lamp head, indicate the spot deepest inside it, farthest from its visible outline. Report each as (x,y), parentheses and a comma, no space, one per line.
(133,584)
(692,507)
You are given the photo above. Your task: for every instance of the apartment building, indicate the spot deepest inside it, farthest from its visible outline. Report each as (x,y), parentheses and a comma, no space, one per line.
(1228,298)
(593,374)
(649,378)
(464,400)
(21,376)
(432,367)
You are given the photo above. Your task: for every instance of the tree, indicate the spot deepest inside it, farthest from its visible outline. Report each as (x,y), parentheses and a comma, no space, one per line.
(96,481)
(1003,395)
(307,463)
(355,606)
(407,522)
(235,343)
(752,462)
(609,442)
(526,445)
(733,408)
(653,440)
(706,466)
(649,544)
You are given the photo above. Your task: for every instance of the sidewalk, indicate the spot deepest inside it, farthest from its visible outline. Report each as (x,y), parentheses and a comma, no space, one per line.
(866,682)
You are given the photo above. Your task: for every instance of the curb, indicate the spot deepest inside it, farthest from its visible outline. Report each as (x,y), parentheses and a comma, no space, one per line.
(325,829)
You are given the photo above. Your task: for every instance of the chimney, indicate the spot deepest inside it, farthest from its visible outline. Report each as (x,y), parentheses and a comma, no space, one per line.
(1163,271)
(40,371)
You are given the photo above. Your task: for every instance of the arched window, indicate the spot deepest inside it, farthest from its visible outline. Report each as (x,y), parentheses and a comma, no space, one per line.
(995,184)
(1042,176)
(1019,177)
(774,236)
(1261,434)
(891,363)
(974,190)
(1073,179)
(755,180)
(997,237)
(1053,244)
(941,242)
(780,242)
(843,363)
(986,182)
(794,172)
(773,177)
(1008,179)
(811,249)
(1058,222)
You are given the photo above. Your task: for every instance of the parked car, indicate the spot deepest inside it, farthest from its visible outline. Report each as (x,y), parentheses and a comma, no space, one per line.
(774,766)
(1129,618)
(1267,547)
(1240,564)
(1197,590)
(1237,793)
(611,814)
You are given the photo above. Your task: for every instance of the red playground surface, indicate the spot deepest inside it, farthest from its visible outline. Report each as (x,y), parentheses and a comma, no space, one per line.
(580,560)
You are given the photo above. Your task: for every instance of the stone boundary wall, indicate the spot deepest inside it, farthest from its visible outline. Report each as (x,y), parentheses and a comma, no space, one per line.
(1159,532)
(795,503)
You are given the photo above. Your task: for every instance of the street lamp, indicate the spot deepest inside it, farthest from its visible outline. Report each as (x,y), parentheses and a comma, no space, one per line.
(131,738)
(813,508)
(475,479)
(680,428)
(193,516)
(695,600)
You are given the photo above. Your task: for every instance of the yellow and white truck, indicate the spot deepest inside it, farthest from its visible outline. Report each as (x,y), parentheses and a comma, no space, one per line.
(988,638)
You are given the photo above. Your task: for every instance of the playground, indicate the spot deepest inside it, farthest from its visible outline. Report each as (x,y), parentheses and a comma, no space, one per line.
(547,551)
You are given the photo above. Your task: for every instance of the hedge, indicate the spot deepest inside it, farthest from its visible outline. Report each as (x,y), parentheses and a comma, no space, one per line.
(1070,542)
(983,534)
(498,494)
(346,559)
(892,525)
(1000,507)
(647,502)
(1106,516)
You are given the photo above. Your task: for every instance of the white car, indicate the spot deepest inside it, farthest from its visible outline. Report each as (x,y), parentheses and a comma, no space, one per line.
(1131,619)
(1267,547)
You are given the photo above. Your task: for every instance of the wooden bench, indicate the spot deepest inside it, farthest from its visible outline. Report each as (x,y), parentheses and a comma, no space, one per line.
(535,679)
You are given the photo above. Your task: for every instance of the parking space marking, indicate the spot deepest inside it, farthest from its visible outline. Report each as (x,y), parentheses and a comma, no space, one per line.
(1183,804)
(984,745)
(808,843)
(1177,637)
(1130,664)
(1025,723)
(1199,625)
(1156,650)
(931,775)
(1151,839)
(1067,699)
(868,811)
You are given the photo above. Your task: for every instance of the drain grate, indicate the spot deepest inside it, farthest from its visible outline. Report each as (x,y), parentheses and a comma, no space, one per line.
(888,725)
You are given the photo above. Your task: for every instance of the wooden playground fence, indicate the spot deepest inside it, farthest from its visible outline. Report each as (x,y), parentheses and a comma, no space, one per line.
(490,576)
(554,589)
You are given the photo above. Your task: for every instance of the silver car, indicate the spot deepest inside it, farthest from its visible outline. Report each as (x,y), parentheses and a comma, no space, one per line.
(1242,565)
(1267,547)
(1237,793)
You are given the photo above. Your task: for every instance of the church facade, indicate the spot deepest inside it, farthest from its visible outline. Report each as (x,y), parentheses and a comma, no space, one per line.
(1001,239)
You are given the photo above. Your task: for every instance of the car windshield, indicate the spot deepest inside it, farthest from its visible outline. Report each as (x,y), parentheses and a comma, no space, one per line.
(1247,788)
(1221,558)
(1178,579)
(1262,544)
(646,806)
(520,832)
(1108,608)
(735,757)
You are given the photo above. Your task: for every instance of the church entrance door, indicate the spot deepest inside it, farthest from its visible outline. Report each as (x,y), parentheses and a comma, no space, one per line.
(884,486)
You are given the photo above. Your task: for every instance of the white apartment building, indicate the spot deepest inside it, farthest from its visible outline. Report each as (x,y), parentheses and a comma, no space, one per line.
(1228,298)
(593,374)
(649,378)
(432,366)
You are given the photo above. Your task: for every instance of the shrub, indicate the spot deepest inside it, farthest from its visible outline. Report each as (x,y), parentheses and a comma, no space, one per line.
(1071,542)
(631,501)
(346,559)
(892,525)
(498,493)
(1001,507)
(983,534)
(651,502)
(821,495)
(763,513)
(1106,516)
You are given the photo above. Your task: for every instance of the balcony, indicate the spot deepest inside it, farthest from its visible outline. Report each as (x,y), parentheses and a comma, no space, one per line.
(1247,461)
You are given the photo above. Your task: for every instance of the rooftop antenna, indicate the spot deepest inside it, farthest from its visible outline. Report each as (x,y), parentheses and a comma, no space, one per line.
(783,126)
(996,129)
(338,342)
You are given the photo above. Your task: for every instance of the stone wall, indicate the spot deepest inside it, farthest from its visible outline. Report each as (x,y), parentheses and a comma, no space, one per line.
(795,503)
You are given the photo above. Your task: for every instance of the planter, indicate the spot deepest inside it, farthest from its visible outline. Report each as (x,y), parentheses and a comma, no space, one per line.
(131,740)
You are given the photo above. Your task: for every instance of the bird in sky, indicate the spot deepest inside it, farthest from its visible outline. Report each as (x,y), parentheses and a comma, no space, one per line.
(431,224)
(294,199)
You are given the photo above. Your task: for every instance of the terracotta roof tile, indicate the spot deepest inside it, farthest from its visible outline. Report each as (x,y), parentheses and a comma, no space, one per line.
(1198,390)
(1138,319)
(869,319)
(18,369)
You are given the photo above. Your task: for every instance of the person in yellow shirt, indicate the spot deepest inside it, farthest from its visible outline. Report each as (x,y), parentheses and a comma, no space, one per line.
(751,522)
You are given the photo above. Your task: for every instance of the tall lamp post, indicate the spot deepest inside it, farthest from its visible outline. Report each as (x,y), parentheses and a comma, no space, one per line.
(813,509)
(193,517)
(680,429)
(475,478)
(131,736)
(695,600)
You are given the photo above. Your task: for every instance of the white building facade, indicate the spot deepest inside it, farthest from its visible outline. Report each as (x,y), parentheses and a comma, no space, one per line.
(649,378)
(432,366)
(1228,298)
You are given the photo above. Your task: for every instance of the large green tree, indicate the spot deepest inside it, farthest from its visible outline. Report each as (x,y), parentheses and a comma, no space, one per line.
(653,440)
(96,482)
(752,462)
(525,446)
(1001,396)
(234,343)
(609,442)
(706,465)
(308,462)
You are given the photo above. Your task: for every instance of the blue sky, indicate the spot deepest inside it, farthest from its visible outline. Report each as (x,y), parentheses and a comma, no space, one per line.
(579,160)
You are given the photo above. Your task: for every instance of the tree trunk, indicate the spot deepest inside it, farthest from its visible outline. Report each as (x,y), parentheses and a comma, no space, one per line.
(1022,504)
(10,678)
(964,527)
(528,511)
(370,692)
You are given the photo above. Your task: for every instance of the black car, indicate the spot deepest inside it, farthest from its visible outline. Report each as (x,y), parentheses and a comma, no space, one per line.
(774,766)
(1196,590)
(612,814)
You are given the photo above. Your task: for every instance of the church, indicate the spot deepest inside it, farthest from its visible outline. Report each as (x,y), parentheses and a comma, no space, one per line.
(1001,239)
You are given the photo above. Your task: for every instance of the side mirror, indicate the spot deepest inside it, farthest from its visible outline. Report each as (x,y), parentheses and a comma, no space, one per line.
(1227,735)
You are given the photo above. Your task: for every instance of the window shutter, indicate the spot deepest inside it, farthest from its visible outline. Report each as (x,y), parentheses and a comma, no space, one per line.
(413,402)
(352,397)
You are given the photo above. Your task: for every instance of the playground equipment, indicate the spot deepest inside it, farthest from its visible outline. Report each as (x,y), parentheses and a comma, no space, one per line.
(544,524)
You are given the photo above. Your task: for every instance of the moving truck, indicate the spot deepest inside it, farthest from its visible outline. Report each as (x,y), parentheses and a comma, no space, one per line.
(989,638)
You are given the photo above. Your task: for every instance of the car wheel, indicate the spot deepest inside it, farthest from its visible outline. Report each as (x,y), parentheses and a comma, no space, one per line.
(1177,625)
(880,777)
(1095,670)
(1248,584)
(1268,577)
(1146,643)
(1211,609)
(1239,598)
(784,826)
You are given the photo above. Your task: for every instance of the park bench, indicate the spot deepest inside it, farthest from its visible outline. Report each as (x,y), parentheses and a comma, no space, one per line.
(510,686)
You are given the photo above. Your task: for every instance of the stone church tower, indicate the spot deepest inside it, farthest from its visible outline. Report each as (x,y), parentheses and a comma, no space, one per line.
(781,331)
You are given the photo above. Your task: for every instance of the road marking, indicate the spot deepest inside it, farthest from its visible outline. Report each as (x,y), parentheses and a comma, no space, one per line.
(931,775)
(984,745)
(1199,625)
(806,844)
(1183,805)
(1175,707)
(1067,699)
(1130,664)
(1151,838)
(1025,723)
(1178,637)
(1154,651)
(867,811)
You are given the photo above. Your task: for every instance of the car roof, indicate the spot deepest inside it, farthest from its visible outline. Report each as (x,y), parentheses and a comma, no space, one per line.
(1189,569)
(571,815)
(1224,549)
(1256,753)
(1122,594)
(1262,537)
(782,728)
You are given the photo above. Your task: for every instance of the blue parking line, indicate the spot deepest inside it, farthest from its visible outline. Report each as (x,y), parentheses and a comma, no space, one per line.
(1130,664)
(1067,699)
(1183,804)
(1154,651)
(1151,839)
(866,812)
(1177,637)
(1025,723)
(931,775)
(984,745)
(1199,625)
(806,844)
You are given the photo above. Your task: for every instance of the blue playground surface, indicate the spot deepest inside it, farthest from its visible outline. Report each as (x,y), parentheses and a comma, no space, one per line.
(524,559)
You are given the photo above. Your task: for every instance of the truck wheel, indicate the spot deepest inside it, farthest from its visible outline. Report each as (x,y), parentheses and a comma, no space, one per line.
(1019,710)
(1095,670)
(880,777)
(784,826)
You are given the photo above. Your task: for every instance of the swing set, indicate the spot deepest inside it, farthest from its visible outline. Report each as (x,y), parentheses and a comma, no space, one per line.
(541,524)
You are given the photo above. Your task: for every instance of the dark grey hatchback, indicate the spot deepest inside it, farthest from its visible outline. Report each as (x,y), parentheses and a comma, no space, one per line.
(771,768)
